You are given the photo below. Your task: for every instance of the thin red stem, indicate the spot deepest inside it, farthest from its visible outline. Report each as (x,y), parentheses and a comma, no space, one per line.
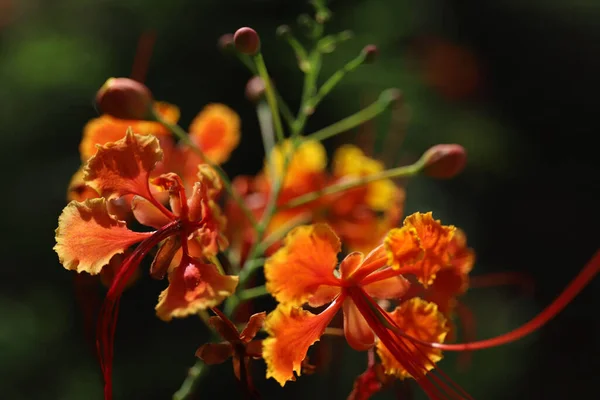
(502,278)
(577,284)
(141,61)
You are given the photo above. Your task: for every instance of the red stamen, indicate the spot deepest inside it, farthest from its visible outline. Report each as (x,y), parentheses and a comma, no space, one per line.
(577,284)
(501,279)
(388,273)
(467,325)
(110,308)
(143,53)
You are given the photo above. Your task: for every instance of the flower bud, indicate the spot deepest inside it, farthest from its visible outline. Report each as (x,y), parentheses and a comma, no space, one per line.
(255,89)
(370,52)
(444,160)
(225,42)
(125,98)
(246,41)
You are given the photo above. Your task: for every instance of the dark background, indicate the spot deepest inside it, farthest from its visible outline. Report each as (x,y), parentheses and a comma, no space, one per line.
(516,84)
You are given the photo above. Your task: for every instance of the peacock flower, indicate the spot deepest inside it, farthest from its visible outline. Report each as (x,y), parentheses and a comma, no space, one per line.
(89,236)
(303,272)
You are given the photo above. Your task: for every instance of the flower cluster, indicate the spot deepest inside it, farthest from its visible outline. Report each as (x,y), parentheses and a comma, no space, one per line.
(398,284)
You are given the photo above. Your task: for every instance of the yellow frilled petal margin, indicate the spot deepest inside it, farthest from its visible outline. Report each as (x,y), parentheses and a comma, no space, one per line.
(435,240)
(292,331)
(123,167)
(308,159)
(305,262)
(422,320)
(88,237)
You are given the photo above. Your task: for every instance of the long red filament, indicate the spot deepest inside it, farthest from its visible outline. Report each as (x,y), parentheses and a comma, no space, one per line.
(584,277)
(143,53)
(524,281)
(110,308)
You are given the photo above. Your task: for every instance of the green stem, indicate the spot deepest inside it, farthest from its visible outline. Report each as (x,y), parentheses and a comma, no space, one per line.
(399,172)
(281,232)
(332,82)
(252,293)
(265,120)
(191,381)
(379,106)
(270,93)
(183,136)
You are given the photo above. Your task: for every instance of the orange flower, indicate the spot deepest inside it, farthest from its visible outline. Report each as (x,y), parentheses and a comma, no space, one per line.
(89,236)
(216,131)
(375,208)
(309,254)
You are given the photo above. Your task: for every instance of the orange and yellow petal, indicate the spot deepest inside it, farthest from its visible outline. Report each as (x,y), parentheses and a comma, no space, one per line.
(403,246)
(88,237)
(216,131)
(78,190)
(358,333)
(305,262)
(292,331)
(105,129)
(435,240)
(123,167)
(419,319)
(306,161)
(194,286)
(390,288)
(324,295)
(147,213)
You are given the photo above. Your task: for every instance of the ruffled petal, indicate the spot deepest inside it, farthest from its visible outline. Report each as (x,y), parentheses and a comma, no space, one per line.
(78,190)
(255,323)
(216,131)
(214,353)
(435,240)
(358,333)
(105,129)
(324,295)
(419,319)
(193,286)
(307,161)
(305,262)
(403,247)
(88,237)
(292,331)
(123,167)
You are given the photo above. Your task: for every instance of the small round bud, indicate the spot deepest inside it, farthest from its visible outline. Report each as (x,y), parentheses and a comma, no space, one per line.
(370,52)
(444,160)
(255,89)
(283,31)
(246,41)
(226,42)
(125,98)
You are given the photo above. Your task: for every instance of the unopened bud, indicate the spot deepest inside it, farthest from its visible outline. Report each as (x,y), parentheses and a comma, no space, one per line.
(125,98)
(444,160)
(370,52)
(255,89)
(225,42)
(246,41)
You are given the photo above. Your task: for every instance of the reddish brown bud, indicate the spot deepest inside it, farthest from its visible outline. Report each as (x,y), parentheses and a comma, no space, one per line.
(125,98)
(226,42)
(370,52)
(444,160)
(255,89)
(246,41)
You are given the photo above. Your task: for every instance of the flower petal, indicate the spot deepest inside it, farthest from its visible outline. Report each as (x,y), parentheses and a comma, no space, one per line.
(292,331)
(350,264)
(358,333)
(123,167)
(307,161)
(390,288)
(193,286)
(324,295)
(305,262)
(403,246)
(216,130)
(78,190)
(88,237)
(214,353)
(422,320)
(105,129)
(434,239)
(255,323)
(147,214)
